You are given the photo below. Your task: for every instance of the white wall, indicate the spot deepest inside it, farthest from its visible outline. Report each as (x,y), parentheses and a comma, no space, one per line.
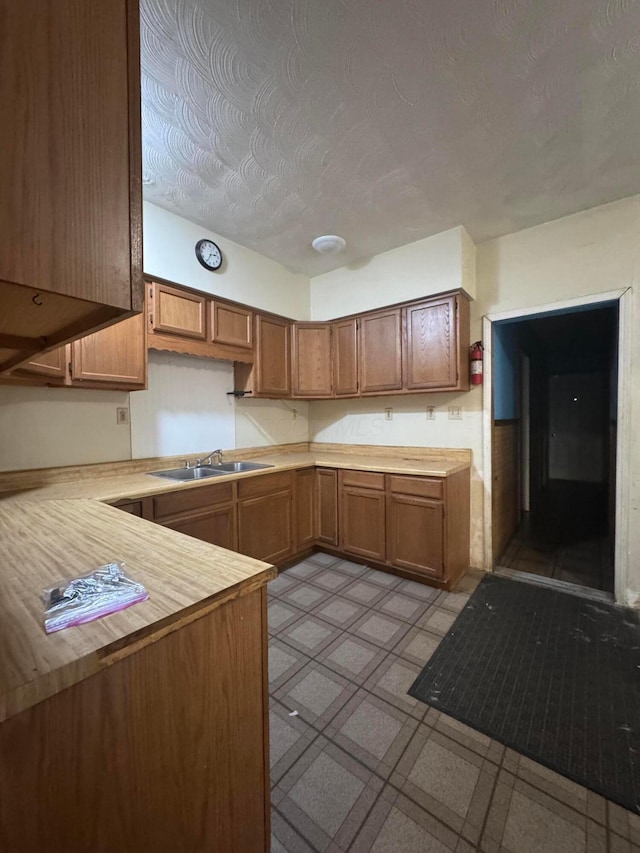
(245,276)
(260,423)
(45,427)
(185,409)
(435,264)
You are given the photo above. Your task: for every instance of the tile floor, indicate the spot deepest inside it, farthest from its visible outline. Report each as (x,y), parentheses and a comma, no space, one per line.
(364,767)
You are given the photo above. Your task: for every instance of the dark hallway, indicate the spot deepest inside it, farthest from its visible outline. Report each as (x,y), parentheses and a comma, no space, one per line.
(555,504)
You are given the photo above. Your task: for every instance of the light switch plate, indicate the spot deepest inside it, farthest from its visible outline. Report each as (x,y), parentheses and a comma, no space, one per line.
(122,415)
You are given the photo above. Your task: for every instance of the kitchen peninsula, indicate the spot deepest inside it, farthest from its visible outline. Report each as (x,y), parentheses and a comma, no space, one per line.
(104,725)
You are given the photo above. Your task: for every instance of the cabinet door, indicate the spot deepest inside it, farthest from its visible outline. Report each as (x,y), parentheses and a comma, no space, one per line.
(231,325)
(115,355)
(70,203)
(345,358)
(312,360)
(362,530)
(217,526)
(381,352)
(51,364)
(273,362)
(265,527)
(327,506)
(177,312)
(415,534)
(305,506)
(431,354)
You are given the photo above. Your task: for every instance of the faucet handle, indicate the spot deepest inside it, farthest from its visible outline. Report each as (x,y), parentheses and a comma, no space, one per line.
(187,464)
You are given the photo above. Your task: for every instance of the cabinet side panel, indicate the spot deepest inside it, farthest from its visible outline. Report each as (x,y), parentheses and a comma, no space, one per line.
(458,525)
(161,751)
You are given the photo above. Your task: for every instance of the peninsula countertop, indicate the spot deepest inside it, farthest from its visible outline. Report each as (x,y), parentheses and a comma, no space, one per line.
(42,542)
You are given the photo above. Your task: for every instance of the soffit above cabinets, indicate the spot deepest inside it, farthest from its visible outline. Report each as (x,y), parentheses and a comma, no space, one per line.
(273,121)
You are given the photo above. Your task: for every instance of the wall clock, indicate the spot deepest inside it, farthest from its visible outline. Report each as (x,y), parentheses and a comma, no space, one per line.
(209,254)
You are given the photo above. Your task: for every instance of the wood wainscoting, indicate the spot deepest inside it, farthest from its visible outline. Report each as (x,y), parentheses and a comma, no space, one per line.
(505,509)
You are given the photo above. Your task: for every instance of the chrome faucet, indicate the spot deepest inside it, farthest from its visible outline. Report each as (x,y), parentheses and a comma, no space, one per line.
(209,459)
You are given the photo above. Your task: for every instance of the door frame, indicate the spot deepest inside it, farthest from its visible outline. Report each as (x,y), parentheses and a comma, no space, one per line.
(623,438)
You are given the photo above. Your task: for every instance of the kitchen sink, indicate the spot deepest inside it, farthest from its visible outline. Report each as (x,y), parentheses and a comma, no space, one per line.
(238,467)
(187,474)
(201,472)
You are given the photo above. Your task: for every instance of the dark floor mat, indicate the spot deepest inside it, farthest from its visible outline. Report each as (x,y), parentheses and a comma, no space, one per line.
(552,675)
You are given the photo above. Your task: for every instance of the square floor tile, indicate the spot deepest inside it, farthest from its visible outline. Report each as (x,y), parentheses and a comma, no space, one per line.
(326,795)
(316,693)
(418,590)
(305,570)
(380,629)
(339,611)
(417,646)
(524,820)
(284,839)
(470,738)
(364,593)
(391,681)
(624,823)
(437,620)
(288,738)
(452,600)
(397,825)
(280,615)
(283,582)
(469,581)
(309,634)
(403,607)
(284,661)
(450,782)
(323,559)
(373,731)
(331,580)
(386,579)
(352,657)
(354,570)
(304,596)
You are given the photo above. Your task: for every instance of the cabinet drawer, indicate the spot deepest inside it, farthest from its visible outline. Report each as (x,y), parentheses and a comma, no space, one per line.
(176,503)
(132,507)
(264,484)
(423,487)
(362,479)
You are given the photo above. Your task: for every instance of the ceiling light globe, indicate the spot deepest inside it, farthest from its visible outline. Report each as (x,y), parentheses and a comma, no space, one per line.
(329,244)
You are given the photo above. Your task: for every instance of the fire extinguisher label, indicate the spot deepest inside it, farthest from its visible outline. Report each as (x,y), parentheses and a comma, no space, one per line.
(476,367)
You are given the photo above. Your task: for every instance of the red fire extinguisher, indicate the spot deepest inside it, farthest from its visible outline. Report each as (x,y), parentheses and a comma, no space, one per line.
(476,363)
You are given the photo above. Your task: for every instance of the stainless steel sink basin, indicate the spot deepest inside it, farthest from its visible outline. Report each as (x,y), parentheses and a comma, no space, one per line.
(201,472)
(238,467)
(187,474)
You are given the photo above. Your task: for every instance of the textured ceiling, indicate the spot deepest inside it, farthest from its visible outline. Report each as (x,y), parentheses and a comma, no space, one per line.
(274,121)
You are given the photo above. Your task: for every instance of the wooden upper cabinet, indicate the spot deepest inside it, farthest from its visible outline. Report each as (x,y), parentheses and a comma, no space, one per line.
(433,355)
(173,311)
(345,357)
(231,325)
(311,359)
(273,359)
(50,365)
(380,351)
(70,172)
(115,355)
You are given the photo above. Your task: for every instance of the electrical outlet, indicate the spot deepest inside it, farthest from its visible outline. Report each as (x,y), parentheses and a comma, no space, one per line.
(388,414)
(122,415)
(455,413)
(431,413)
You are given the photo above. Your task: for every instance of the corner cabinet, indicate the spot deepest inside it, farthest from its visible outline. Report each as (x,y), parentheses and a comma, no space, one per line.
(70,175)
(311,360)
(270,374)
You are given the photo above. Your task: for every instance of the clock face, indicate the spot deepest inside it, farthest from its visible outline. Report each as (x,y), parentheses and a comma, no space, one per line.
(208,254)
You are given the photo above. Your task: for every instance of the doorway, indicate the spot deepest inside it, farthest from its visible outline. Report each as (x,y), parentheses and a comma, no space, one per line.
(554,425)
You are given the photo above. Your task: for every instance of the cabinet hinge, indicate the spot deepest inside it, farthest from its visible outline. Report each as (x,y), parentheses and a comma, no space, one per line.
(70,369)
(150,293)
(151,319)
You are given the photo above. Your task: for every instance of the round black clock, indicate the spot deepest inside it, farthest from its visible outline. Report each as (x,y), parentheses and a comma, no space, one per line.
(209,254)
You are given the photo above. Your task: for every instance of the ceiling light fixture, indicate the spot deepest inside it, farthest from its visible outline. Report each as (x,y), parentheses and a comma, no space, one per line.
(329,244)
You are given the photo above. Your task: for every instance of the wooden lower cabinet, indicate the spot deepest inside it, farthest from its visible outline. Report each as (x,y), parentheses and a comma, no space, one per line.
(362,515)
(304,503)
(265,517)
(163,750)
(415,534)
(217,526)
(327,506)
